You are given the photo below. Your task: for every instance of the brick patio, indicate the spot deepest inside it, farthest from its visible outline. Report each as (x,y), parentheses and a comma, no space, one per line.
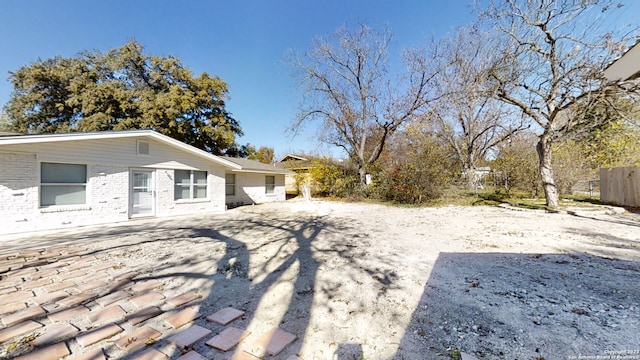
(60,303)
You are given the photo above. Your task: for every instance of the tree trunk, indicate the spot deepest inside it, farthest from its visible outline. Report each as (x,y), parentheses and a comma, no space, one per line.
(545,155)
(363,175)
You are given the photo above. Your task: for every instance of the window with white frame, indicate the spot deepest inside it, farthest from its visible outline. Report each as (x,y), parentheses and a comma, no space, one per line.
(190,184)
(63,184)
(230,184)
(270,184)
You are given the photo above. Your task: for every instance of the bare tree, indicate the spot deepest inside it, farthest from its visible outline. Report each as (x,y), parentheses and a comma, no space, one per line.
(554,59)
(467,116)
(348,87)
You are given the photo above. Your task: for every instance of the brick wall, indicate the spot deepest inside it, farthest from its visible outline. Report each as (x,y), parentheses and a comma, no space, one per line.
(107,196)
(250,189)
(166,205)
(18,189)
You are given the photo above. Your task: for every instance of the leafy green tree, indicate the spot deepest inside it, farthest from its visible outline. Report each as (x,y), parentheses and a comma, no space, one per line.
(516,163)
(4,122)
(263,154)
(418,168)
(119,90)
(328,179)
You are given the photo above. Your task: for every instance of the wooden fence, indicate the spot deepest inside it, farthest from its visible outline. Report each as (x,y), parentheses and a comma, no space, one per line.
(620,186)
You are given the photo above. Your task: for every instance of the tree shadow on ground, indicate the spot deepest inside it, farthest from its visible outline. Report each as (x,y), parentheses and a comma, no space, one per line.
(268,268)
(525,306)
(264,264)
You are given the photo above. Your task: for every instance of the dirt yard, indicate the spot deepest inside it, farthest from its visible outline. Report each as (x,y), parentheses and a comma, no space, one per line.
(360,281)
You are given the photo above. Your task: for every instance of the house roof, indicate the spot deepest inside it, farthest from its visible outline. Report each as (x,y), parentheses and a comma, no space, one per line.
(289,157)
(626,67)
(252,166)
(48,138)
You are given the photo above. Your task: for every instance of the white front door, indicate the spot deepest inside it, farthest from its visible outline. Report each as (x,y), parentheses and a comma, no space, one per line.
(142,193)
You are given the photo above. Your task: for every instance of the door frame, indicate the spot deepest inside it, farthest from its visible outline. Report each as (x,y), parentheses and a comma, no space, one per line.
(153,192)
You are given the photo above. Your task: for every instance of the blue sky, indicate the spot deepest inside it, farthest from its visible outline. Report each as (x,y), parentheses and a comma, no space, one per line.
(242,41)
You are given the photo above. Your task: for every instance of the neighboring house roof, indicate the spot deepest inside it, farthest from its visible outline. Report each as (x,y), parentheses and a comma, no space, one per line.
(295,162)
(626,67)
(290,157)
(253,166)
(6,133)
(48,138)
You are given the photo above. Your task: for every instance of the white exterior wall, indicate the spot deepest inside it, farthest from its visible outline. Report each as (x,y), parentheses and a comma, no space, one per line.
(250,189)
(109,162)
(167,206)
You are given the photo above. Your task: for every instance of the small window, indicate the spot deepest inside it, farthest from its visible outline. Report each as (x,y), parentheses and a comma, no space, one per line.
(270,184)
(230,184)
(143,147)
(63,184)
(190,184)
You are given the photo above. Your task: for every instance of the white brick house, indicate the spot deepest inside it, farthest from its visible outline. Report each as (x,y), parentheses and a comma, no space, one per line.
(255,182)
(65,180)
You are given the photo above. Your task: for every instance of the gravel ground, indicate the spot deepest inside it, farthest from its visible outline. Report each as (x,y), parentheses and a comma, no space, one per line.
(362,281)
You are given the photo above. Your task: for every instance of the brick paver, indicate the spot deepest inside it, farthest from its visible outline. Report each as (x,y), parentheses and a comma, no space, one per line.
(225,316)
(76,299)
(147,299)
(49,297)
(227,339)
(112,297)
(16,296)
(71,275)
(182,317)
(44,273)
(7,290)
(46,296)
(91,337)
(96,354)
(35,284)
(138,338)
(146,285)
(143,314)
(150,354)
(18,329)
(190,336)
(59,286)
(59,332)
(28,313)
(101,275)
(192,355)
(67,314)
(53,352)
(243,355)
(116,285)
(88,286)
(110,314)
(272,342)
(185,298)
(9,308)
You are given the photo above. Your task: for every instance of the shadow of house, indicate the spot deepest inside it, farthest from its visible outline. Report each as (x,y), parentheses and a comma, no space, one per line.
(501,301)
